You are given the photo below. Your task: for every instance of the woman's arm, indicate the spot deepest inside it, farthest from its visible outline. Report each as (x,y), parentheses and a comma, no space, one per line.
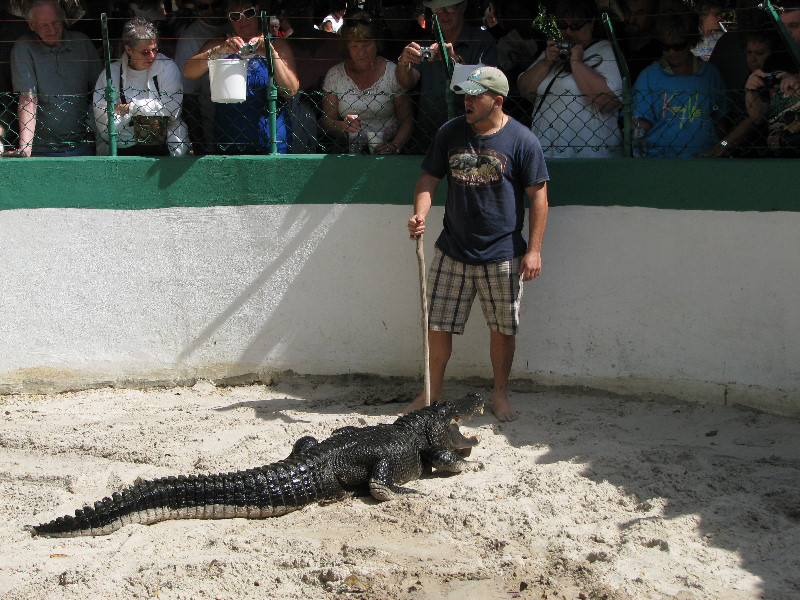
(403,110)
(530,80)
(592,84)
(285,68)
(330,120)
(197,66)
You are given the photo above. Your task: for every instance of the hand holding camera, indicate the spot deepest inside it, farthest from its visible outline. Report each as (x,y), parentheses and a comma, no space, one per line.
(559,50)
(564,49)
(415,53)
(772,80)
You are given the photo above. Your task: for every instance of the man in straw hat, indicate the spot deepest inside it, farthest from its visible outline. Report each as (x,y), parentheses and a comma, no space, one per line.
(492,163)
(421,63)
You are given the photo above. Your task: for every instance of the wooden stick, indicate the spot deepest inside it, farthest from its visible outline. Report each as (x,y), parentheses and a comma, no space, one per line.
(423,295)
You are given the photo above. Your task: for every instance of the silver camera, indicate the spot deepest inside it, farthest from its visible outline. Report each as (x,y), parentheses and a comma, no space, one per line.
(564,49)
(425,53)
(247,49)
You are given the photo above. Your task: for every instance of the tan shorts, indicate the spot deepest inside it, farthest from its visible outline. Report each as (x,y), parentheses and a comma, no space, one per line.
(452,286)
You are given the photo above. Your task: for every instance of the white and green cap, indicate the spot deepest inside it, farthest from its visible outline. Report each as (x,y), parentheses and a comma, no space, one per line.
(483,79)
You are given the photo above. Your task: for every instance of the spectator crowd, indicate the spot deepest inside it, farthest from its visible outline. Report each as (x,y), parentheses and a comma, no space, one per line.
(677,78)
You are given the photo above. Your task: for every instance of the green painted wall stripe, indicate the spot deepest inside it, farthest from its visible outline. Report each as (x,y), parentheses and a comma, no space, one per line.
(131,183)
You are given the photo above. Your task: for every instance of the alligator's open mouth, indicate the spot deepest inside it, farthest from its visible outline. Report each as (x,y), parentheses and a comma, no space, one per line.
(465,408)
(458,440)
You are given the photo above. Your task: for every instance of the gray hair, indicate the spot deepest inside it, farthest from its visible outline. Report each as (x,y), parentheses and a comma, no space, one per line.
(30,5)
(138,29)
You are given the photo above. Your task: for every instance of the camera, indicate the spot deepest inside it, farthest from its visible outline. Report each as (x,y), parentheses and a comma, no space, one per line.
(771,80)
(425,53)
(247,48)
(564,49)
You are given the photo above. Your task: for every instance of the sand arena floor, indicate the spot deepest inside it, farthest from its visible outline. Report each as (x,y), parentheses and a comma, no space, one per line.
(582,497)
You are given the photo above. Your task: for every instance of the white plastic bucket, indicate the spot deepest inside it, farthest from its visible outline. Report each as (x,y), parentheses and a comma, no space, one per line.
(228,77)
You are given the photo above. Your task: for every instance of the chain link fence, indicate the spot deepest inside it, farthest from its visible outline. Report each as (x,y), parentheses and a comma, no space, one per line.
(681,122)
(685,123)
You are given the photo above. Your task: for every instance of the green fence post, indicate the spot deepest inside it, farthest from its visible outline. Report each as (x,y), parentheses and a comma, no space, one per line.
(272,89)
(627,101)
(448,68)
(110,94)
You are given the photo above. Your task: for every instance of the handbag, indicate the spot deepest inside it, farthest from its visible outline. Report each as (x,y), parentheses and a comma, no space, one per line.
(147,131)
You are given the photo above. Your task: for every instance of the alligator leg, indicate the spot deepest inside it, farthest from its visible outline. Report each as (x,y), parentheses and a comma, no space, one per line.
(303,444)
(382,484)
(448,460)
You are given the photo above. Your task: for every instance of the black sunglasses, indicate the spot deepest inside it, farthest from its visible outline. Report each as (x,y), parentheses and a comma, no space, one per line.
(676,47)
(247,13)
(571,26)
(206,6)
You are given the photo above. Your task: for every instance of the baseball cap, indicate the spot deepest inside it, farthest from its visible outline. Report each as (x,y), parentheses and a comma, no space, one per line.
(481,80)
(441,3)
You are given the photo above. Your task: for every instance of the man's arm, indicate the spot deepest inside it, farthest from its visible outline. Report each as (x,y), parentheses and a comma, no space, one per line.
(423,200)
(26,112)
(537,220)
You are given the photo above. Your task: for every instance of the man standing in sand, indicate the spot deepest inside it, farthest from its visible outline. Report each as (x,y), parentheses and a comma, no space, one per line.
(492,162)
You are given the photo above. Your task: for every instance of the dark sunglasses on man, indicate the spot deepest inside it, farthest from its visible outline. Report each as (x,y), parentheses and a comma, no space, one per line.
(247,13)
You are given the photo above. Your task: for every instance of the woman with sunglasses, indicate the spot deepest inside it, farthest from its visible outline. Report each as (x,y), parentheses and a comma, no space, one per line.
(362,94)
(149,95)
(575,88)
(243,128)
(679,100)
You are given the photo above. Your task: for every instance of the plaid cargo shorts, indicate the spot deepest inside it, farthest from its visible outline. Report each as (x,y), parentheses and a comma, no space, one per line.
(452,286)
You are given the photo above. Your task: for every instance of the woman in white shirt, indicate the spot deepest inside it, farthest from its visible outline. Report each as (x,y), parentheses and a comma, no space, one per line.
(148,97)
(363,95)
(576,90)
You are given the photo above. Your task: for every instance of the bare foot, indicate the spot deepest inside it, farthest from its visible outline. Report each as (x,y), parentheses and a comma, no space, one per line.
(415,405)
(502,410)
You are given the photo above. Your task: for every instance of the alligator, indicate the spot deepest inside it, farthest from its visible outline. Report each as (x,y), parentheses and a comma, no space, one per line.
(379,458)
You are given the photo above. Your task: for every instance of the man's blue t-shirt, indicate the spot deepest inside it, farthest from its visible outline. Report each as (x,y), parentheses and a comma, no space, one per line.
(486,180)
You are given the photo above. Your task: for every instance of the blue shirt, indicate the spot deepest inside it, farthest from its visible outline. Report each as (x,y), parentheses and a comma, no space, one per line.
(682,109)
(486,180)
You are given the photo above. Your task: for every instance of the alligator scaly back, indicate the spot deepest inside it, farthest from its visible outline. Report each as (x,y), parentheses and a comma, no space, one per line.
(380,457)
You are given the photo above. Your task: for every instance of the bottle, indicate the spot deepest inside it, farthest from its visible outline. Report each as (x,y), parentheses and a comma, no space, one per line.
(357,142)
(639,148)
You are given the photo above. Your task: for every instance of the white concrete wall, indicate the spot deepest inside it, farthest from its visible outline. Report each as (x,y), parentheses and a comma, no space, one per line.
(698,305)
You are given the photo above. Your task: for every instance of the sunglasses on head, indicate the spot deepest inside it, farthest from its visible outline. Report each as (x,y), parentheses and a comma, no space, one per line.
(675,47)
(206,6)
(247,13)
(562,25)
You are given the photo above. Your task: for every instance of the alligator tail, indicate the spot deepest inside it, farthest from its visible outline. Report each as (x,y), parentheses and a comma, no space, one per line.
(267,491)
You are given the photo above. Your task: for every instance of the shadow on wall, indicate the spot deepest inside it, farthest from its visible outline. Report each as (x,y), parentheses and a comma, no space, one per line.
(299,236)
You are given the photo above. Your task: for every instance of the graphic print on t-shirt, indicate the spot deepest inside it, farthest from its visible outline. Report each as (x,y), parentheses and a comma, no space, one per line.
(482,167)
